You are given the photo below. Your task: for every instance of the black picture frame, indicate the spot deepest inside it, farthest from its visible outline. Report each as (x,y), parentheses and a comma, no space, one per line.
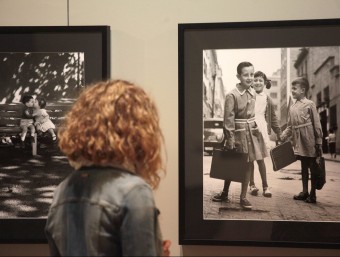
(94,43)
(193,39)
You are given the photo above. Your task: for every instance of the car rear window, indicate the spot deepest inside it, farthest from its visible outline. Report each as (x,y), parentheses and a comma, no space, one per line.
(213,124)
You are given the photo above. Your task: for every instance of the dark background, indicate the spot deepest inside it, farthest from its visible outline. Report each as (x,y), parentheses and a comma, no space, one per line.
(51,76)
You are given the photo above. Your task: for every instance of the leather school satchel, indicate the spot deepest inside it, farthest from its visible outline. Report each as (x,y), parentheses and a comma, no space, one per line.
(282,155)
(320,173)
(228,165)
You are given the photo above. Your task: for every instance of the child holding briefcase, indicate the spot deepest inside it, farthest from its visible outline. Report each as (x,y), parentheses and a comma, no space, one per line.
(240,130)
(305,128)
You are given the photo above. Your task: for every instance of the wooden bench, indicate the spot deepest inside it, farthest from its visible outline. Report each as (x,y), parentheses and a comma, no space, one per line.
(10,115)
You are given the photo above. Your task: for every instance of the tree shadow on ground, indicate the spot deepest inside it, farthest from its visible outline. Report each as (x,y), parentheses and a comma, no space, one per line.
(27,182)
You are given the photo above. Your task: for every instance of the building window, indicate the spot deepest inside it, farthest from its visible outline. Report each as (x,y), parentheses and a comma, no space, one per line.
(273,83)
(273,95)
(318,99)
(332,117)
(275,107)
(326,95)
(204,92)
(204,68)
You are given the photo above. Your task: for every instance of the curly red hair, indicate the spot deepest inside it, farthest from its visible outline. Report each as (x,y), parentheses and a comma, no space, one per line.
(114,123)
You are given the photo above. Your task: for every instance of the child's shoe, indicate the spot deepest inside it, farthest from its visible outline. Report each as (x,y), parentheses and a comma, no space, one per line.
(221,197)
(54,138)
(245,204)
(266,192)
(311,199)
(301,196)
(254,190)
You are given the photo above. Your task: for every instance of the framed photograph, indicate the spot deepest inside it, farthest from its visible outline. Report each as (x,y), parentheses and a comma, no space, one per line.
(42,72)
(275,215)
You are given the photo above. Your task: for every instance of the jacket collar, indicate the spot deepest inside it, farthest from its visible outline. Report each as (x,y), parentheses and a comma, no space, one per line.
(303,100)
(262,93)
(249,90)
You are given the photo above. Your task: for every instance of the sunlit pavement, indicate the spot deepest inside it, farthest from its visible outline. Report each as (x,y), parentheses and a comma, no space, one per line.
(27,182)
(281,206)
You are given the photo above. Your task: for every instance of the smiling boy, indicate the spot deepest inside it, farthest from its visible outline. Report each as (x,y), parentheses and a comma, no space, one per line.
(240,130)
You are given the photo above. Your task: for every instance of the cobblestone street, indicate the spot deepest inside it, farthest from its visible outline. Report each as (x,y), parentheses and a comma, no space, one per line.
(281,206)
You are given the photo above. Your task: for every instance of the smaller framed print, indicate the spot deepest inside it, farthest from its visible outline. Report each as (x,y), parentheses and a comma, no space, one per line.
(49,66)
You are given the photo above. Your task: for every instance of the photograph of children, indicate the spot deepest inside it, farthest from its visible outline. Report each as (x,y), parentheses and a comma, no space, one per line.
(256,99)
(37,90)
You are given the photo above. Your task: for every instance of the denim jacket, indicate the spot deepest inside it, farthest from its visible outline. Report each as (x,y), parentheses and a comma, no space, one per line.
(100,211)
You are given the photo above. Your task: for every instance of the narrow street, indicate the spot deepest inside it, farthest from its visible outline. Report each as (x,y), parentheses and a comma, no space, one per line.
(281,206)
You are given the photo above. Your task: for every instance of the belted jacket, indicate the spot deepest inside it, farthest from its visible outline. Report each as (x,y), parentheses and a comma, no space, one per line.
(100,211)
(305,128)
(240,129)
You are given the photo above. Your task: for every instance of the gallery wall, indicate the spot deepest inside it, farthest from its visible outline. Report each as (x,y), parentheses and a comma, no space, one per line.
(144,45)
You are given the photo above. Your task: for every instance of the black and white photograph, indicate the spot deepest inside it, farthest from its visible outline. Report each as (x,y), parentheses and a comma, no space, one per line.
(37,90)
(272,194)
(43,69)
(259,138)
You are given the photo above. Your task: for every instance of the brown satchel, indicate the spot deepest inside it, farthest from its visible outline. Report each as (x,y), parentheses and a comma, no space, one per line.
(228,165)
(320,170)
(282,155)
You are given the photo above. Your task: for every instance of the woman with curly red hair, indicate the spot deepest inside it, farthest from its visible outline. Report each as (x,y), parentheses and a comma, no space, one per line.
(106,207)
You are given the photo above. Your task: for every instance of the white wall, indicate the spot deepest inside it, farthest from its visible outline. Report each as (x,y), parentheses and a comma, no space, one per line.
(144,50)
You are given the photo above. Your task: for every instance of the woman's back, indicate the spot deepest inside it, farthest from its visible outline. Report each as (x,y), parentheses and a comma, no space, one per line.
(107,212)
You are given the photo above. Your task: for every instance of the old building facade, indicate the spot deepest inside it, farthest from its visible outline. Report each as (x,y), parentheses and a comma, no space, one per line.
(288,58)
(320,65)
(275,94)
(213,89)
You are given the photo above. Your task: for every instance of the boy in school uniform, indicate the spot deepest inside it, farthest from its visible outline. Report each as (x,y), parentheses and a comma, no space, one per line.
(305,128)
(240,130)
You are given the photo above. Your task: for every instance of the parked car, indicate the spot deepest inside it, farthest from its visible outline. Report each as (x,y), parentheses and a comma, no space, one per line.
(212,134)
